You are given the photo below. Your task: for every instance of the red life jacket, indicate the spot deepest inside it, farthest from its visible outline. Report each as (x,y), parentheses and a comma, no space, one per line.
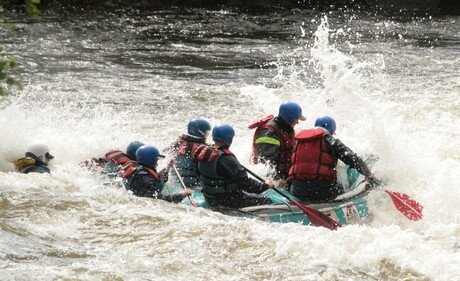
(117,157)
(311,158)
(227,151)
(286,144)
(132,166)
(182,147)
(204,152)
(199,151)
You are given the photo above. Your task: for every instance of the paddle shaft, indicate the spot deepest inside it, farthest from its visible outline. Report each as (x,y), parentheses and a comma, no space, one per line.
(183,185)
(316,217)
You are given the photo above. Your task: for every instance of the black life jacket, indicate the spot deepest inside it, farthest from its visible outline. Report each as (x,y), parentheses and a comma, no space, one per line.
(211,181)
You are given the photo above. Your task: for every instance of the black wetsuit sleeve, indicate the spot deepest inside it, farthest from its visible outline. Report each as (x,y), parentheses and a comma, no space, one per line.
(229,167)
(341,151)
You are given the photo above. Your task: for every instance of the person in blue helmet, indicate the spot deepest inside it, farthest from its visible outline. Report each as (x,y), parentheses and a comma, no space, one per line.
(313,176)
(142,178)
(273,140)
(113,160)
(190,147)
(225,181)
(36,160)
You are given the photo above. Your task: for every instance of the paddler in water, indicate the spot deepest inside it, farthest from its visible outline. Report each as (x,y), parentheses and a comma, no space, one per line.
(187,148)
(313,176)
(36,160)
(225,182)
(142,178)
(273,140)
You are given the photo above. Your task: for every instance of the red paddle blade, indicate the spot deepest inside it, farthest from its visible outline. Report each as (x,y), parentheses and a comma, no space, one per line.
(406,205)
(316,217)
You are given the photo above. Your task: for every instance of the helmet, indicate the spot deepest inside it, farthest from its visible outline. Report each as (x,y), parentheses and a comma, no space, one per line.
(289,111)
(327,123)
(40,150)
(132,147)
(147,155)
(223,133)
(198,127)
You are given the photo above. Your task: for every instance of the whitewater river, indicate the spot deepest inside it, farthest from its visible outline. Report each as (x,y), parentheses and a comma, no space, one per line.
(96,81)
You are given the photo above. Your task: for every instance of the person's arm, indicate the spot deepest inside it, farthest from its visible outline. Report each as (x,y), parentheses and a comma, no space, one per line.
(229,166)
(341,151)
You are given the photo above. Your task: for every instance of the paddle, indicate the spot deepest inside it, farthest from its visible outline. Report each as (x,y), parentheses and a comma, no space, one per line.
(316,217)
(403,203)
(183,185)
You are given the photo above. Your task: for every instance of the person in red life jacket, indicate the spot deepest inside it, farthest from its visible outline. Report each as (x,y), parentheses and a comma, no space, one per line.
(313,176)
(143,180)
(113,160)
(273,140)
(184,150)
(224,181)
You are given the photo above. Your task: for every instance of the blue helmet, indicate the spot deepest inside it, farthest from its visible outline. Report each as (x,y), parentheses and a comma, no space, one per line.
(289,111)
(147,155)
(327,123)
(132,147)
(198,127)
(223,133)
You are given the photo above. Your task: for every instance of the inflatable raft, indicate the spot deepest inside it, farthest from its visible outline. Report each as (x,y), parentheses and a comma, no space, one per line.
(348,208)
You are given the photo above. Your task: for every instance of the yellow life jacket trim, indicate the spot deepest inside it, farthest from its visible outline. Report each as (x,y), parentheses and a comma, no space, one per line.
(268,140)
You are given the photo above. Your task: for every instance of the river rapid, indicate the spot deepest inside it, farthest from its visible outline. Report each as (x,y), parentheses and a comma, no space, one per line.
(95,81)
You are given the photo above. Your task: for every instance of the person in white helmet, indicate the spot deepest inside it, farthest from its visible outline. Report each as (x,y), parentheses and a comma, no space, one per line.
(36,160)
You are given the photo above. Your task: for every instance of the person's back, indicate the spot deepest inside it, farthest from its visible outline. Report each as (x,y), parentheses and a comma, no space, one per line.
(184,149)
(224,180)
(36,160)
(115,159)
(273,139)
(143,180)
(313,175)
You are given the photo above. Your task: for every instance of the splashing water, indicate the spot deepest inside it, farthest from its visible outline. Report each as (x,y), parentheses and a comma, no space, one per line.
(399,105)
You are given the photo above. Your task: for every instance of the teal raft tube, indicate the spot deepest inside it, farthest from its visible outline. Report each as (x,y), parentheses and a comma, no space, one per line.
(348,208)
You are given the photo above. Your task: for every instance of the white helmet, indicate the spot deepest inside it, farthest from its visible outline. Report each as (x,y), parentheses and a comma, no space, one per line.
(41,151)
